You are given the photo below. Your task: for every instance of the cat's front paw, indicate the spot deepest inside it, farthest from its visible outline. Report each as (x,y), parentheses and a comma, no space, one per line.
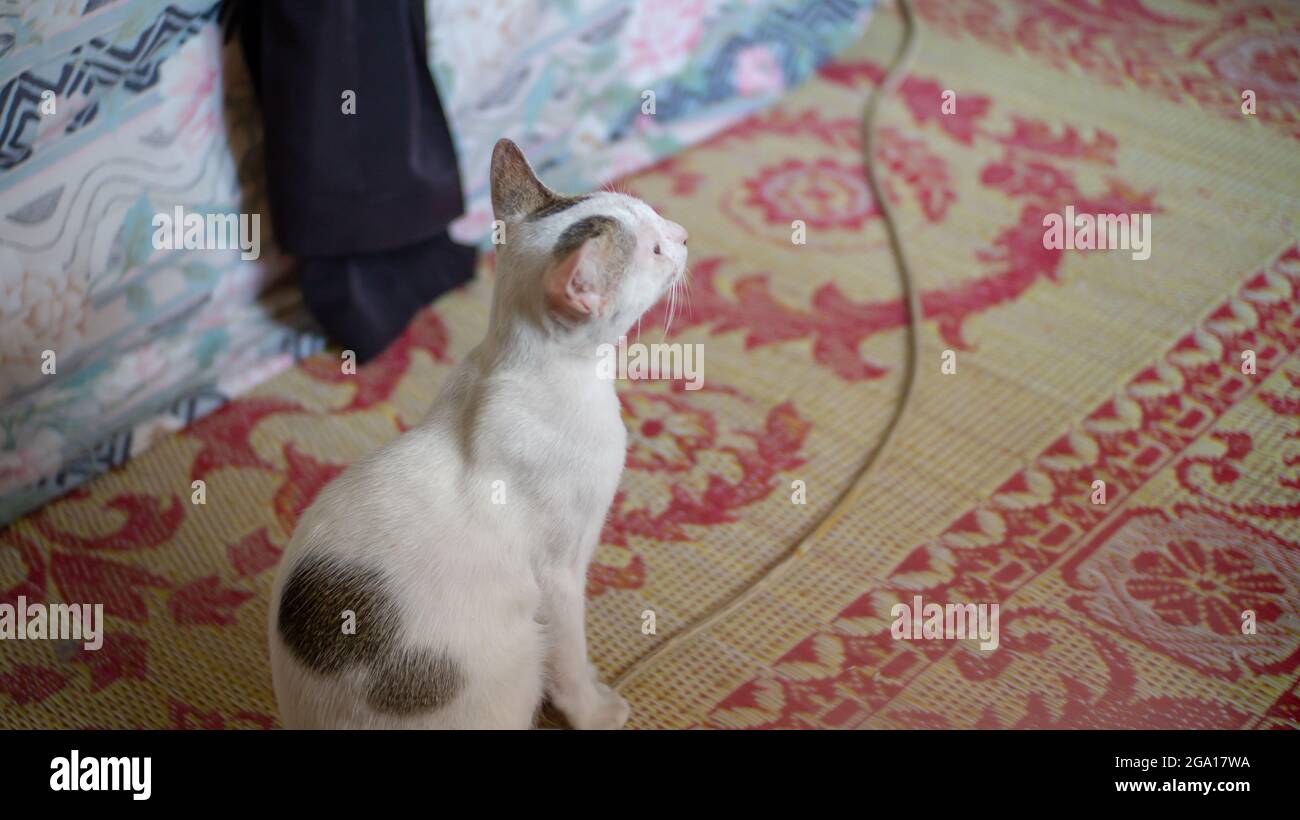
(601,708)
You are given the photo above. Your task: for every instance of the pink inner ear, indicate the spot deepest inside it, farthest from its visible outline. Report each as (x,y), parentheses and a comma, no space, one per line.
(572,285)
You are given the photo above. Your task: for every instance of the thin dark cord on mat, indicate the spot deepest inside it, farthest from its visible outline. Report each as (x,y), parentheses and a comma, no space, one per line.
(893,78)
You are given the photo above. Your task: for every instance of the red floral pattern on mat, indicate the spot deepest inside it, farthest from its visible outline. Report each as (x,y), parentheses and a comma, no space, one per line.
(375,382)
(34,572)
(254,554)
(854,669)
(1113,703)
(186,716)
(116,585)
(1285,711)
(206,602)
(665,433)
(26,683)
(674,442)
(1198,54)
(1034,174)
(1179,584)
(121,657)
(150,521)
(823,193)
(224,434)
(1188,583)
(1215,478)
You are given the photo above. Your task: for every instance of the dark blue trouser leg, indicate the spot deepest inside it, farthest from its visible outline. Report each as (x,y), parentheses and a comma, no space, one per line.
(364,198)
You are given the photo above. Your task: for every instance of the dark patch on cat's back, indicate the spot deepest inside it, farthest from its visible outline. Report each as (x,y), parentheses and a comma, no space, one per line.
(555,205)
(414,680)
(313,603)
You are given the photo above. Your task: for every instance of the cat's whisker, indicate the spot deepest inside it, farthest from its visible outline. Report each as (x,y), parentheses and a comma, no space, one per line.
(672,308)
(685,281)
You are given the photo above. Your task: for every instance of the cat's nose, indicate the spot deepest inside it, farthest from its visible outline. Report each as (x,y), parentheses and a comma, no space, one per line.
(677,233)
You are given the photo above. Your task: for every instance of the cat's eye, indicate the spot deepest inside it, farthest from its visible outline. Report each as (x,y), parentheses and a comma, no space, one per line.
(657,251)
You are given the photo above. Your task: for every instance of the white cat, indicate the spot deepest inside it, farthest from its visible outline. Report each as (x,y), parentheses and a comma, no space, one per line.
(410,596)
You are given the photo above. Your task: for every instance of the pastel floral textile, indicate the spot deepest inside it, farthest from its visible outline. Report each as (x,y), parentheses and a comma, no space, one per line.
(569,79)
(105,340)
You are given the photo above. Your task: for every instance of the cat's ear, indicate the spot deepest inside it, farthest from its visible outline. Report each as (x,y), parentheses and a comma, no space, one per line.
(575,289)
(588,256)
(516,190)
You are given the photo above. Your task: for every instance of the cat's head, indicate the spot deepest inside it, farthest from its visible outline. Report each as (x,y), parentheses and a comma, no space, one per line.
(583,267)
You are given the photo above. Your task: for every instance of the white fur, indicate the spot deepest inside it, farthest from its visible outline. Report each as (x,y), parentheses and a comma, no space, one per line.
(498,587)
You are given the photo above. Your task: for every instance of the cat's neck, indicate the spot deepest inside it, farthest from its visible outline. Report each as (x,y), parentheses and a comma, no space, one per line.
(523,348)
